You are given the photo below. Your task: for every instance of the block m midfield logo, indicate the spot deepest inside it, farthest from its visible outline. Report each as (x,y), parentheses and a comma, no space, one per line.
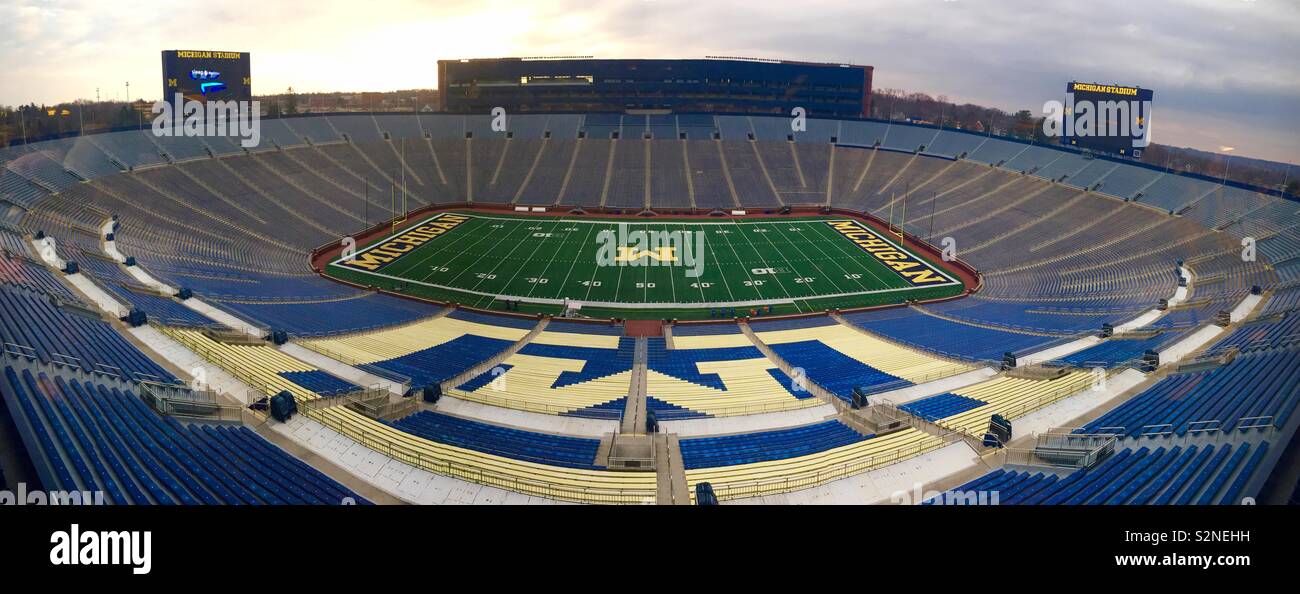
(623,247)
(631,254)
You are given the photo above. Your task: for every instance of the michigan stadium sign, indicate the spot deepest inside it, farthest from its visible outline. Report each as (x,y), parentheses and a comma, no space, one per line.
(1107,118)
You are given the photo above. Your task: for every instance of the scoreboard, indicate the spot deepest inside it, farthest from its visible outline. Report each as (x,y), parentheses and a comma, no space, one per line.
(1112,112)
(206,75)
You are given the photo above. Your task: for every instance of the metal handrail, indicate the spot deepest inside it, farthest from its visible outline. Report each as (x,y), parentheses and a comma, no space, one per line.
(1025,408)
(420,459)
(528,405)
(354,362)
(746,489)
(314,408)
(20,350)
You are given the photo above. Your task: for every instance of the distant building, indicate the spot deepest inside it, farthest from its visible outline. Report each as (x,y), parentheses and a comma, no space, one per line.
(713,85)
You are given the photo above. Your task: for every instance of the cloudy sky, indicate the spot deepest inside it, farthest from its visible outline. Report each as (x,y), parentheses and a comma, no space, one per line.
(1224,72)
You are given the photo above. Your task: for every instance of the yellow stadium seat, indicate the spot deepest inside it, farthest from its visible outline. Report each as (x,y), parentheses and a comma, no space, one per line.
(526,383)
(1012,397)
(390,343)
(914,366)
(750,389)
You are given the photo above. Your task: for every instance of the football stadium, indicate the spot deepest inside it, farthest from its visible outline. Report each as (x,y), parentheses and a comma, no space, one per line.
(649,281)
(475,337)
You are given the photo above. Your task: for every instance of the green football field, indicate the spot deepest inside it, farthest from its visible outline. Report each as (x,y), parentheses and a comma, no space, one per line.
(640,269)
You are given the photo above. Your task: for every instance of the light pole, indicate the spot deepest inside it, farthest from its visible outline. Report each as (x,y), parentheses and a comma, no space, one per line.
(1227,161)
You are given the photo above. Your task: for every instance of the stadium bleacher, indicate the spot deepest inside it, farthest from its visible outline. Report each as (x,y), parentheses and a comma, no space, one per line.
(731,377)
(756,479)
(1255,389)
(559,372)
(556,450)
(1148,475)
(949,338)
(1118,350)
(968,409)
(94,436)
(750,448)
(839,358)
(427,351)
(36,328)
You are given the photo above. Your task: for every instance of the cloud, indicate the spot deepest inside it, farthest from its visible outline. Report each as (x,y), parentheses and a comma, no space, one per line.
(1224,71)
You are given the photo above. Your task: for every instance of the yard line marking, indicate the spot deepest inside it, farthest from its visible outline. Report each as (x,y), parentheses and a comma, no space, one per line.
(741,263)
(476,261)
(530,260)
(817,244)
(499,261)
(764,263)
(591,282)
(511,253)
(565,282)
(480,256)
(843,249)
(699,280)
(720,274)
(672,278)
(800,274)
(618,286)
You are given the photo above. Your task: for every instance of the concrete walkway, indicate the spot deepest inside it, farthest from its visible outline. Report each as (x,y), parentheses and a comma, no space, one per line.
(96,295)
(524,419)
(340,369)
(222,317)
(891,484)
(748,423)
(939,386)
(634,407)
(401,480)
